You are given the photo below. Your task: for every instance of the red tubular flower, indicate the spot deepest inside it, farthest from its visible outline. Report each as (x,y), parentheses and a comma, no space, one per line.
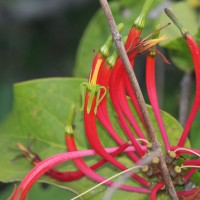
(133,98)
(189,195)
(126,110)
(113,89)
(49,163)
(102,112)
(117,94)
(94,141)
(103,52)
(92,100)
(116,78)
(195,52)
(194,164)
(155,190)
(80,163)
(66,176)
(188,175)
(152,94)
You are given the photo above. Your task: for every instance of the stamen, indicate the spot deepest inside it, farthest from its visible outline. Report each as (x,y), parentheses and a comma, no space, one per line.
(163,57)
(150,43)
(156,31)
(112,177)
(27,153)
(189,166)
(22,147)
(189,150)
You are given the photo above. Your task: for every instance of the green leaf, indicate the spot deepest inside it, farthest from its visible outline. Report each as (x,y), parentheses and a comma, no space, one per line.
(97,31)
(181,56)
(196,178)
(39,115)
(40,192)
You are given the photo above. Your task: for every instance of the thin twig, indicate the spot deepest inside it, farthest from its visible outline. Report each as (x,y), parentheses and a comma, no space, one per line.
(186,86)
(152,136)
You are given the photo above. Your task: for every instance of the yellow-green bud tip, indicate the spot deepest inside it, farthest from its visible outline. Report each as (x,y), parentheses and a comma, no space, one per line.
(104,50)
(112,59)
(140,21)
(177,23)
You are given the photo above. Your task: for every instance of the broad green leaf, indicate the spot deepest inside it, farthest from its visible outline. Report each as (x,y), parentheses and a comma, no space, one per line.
(40,192)
(39,115)
(97,31)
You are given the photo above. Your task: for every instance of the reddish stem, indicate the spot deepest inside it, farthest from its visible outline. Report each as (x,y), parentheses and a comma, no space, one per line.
(74,175)
(195,53)
(134,101)
(102,113)
(94,141)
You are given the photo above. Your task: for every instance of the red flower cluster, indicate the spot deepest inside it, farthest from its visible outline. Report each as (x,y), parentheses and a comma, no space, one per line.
(109,76)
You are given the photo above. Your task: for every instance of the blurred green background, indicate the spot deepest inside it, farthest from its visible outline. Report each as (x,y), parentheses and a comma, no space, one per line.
(38,38)
(43,38)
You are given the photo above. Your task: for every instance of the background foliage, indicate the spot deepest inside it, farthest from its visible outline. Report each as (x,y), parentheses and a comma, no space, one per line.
(59,38)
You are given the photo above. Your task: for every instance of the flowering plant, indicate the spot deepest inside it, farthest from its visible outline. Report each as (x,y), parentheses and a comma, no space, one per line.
(135,137)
